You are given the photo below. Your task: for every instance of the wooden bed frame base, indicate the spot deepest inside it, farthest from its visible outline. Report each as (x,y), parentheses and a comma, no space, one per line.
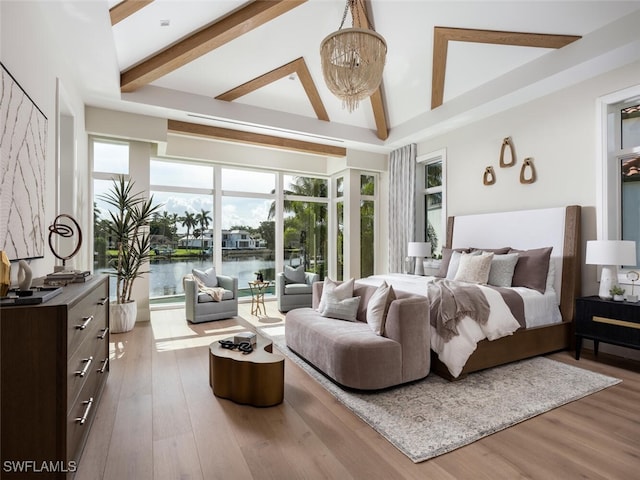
(522,344)
(539,340)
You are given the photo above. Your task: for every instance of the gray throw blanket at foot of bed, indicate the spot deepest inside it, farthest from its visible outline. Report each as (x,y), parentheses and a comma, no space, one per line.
(450,302)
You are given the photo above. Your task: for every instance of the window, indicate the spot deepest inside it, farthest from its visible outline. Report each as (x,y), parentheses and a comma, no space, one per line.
(628,164)
(339,228)
(305,223)
(430,202)
(367,224)
(248,231)
(110,157)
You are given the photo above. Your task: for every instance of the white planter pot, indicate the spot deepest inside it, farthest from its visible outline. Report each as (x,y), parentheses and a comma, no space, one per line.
(122,316)
(618,298)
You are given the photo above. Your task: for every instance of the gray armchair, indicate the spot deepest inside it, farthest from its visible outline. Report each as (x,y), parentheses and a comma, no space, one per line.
(294,295)
(200,307)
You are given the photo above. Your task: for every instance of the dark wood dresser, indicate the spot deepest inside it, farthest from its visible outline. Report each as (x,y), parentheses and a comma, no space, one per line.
(54,365)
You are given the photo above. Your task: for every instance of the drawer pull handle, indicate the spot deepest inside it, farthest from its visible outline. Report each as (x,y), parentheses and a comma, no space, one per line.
(84,324)
(84,416)
(104,333)
(102,369)
(103,301)
(83,372)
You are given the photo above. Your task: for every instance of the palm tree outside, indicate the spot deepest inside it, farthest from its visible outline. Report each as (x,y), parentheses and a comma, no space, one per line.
(203,219)
(188,221)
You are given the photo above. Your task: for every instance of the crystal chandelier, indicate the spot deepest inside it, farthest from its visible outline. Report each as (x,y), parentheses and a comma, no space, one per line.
(353,58)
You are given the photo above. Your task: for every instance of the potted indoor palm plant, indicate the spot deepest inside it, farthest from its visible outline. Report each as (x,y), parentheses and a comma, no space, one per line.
(128,228)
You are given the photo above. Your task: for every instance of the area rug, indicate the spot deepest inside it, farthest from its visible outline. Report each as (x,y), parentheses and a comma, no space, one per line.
(434,416)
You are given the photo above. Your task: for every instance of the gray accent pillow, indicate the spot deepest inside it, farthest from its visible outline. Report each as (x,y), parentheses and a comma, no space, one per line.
(208,277)
(532,268)
(502,268)
(294,274)
(497,251)
(346,309)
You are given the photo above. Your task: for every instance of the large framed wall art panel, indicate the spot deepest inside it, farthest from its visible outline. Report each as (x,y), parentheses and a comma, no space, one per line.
(23,146)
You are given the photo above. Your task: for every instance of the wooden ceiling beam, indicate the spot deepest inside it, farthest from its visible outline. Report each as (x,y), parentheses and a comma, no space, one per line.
(125,9)
(362,19)
(186,128)
(298,67)
(443,35)
(241,21)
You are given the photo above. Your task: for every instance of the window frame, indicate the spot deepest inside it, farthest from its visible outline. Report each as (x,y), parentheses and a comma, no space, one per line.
(437,156)
(608,158)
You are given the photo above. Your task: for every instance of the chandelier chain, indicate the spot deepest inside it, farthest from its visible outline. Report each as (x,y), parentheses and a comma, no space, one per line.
(353,4)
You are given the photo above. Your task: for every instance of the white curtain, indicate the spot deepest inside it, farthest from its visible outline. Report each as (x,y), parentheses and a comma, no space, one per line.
(402,204)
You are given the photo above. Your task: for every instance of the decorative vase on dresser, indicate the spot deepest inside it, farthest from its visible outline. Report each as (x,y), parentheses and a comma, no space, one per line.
(54,365)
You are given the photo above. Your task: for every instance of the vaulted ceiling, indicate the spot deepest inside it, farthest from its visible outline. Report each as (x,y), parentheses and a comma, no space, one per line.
(254,66)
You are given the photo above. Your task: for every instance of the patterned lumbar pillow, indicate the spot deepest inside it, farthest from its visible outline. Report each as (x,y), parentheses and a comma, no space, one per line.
(378,307)
(346,309)
(341,290)
(294,274)
(208,277)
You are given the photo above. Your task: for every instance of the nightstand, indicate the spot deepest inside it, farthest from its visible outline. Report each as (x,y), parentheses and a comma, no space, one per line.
(607,321)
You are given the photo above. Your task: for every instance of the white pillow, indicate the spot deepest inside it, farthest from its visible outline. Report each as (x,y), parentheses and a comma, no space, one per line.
(340,290)
(346,309)
(378,307)
(474,268)
(455,262)
(208,277)
(502,268)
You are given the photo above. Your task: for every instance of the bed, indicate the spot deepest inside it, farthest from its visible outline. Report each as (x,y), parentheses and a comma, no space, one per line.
(558,228)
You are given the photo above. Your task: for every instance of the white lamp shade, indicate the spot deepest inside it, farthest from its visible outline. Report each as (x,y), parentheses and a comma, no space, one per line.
(419,249)
(611,252)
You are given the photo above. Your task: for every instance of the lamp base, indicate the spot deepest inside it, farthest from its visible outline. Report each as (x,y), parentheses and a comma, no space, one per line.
(419,270)
(608,279)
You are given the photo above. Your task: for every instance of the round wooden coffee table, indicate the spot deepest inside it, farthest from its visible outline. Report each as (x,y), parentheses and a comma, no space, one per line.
(256,378)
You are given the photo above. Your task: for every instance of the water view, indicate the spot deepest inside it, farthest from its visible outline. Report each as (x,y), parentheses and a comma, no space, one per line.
(165,277)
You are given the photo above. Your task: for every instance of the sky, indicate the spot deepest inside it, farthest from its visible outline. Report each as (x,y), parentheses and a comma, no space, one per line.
(113,158)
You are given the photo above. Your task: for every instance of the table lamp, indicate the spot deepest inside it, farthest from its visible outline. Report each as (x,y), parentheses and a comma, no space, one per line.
(610,254)
(420,250)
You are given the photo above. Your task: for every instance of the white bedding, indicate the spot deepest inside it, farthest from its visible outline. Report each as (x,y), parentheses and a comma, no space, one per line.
(540,309)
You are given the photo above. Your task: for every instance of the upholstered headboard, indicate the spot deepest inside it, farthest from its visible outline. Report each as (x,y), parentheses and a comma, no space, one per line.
(527,229)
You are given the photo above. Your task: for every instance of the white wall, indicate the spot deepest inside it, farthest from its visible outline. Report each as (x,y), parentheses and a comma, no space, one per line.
(559,132)
(30,54)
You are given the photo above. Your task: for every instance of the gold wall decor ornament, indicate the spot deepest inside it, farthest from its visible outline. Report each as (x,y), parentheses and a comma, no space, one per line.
(489,176)
(528,163)
(353,58)
(507,142)
(5,274)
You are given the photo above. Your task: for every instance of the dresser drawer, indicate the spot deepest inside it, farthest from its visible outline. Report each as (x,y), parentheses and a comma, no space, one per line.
(86,317)
(92,354)
(82,412)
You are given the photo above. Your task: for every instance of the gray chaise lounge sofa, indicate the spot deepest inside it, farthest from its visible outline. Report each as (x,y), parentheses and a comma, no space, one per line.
(352,354)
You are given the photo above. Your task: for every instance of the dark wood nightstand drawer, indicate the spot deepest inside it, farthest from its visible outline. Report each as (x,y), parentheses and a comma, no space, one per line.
(607,321)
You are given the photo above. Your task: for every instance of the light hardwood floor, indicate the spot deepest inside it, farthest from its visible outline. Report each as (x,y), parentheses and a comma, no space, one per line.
(158,419)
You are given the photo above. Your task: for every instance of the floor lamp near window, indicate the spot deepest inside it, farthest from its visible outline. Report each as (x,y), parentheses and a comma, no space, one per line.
(610,254)
(420,250)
